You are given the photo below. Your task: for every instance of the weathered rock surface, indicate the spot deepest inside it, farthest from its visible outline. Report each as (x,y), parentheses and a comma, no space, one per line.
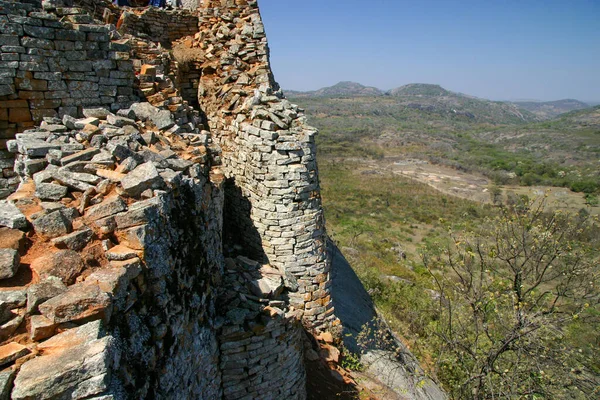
(74,241)
(74,364)
(52,225)
(80,302)
(143,177)
(107,208)
(6,380)
(12,239)
(10,352)
(11,216)
(50,191)
(63,264)
(45,290)
(9,263)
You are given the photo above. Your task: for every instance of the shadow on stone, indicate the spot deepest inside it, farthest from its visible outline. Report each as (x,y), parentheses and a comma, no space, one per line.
(353,305)
(240,236)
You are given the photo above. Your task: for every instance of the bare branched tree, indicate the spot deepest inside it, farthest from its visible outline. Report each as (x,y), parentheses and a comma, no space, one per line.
(509,293)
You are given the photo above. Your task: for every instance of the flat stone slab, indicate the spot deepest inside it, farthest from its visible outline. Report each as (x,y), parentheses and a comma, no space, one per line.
(121,253)
(50,191)
(68,179)
(10,352)
(43,291)
(80,302)
(74,241)
(163,119)
(52,225)
(11,216)
(119,121)
(74,365)
(143,111)
(84,155)
(110,206)
(41,328)
(144,177)
(100,113)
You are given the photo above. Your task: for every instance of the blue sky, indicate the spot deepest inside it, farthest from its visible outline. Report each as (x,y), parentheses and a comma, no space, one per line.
(497,49)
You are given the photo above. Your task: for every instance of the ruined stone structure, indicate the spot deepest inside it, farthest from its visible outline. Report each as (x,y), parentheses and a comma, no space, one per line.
(166,239)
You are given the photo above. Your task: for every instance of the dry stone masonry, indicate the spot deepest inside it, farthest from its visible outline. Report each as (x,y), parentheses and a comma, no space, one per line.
(162,234)
(268,154)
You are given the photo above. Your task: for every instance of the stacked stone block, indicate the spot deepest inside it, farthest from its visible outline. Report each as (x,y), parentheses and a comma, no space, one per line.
(267,364)
(57,63)
(159,26)
(125,209)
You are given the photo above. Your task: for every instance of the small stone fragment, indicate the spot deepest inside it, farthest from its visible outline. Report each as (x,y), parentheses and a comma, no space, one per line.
(12,239)
(6,379)
(41,328)
(120,253)
(143,111)
(163,119)
(84,155)
(100,113)
(64,264)
(50,191)
(9,263)
(108,207)
(12,299)
(113,176)
(119,121)
(7,329)
(68,179)
(52,225)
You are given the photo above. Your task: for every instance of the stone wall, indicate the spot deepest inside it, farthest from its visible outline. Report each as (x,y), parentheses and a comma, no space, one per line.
(52,63)
(268,155)
(158,25)
(265,364)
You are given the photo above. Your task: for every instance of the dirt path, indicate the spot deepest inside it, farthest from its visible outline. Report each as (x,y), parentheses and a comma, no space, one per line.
(476,187)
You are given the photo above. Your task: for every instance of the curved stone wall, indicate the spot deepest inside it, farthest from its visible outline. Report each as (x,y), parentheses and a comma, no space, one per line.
(268,154)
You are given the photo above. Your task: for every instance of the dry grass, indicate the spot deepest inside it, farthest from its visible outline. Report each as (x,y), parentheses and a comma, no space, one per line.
(184,54)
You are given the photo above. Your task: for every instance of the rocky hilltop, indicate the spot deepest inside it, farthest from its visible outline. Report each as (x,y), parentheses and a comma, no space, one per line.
(162,234)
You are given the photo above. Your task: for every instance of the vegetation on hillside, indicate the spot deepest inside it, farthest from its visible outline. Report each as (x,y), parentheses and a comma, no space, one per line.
(551,109)
(489,312)
(564,152)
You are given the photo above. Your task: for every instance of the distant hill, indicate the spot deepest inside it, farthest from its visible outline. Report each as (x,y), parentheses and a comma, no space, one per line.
(436,99)
(551,109)
(420,89)
(341,89)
